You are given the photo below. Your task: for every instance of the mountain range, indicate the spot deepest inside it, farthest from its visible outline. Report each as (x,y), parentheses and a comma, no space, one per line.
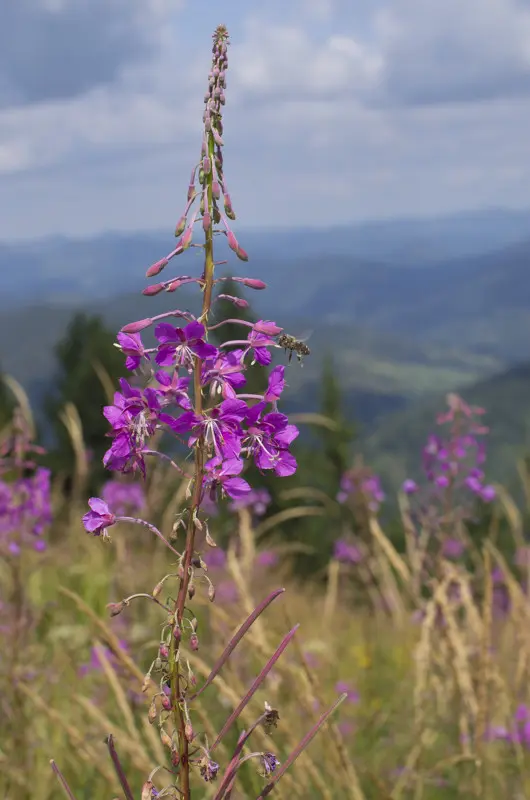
(409,309)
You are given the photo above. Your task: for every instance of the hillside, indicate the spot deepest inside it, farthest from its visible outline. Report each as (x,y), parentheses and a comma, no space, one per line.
(394,448)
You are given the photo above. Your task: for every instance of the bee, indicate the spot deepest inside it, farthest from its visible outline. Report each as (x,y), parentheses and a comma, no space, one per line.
(292,345)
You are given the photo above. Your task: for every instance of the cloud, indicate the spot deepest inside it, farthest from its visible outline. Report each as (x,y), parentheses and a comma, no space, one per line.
(453,51)
(57,49)
(334,111)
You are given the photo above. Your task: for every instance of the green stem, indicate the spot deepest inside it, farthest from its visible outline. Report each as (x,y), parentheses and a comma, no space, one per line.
(178,710)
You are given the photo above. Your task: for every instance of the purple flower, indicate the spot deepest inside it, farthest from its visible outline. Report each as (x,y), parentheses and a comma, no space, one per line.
(268,440)
(344,551)
(133,418)
(179,345)
(259,344)
(173,389)
(131,345)
(225,474)
(214,558)
(453,548)
(343,687)
(256,500)
(269,763)
(267,559)
(409,486)
(224,374)
(123,498)
(276,385)
(99,518)
(221,427)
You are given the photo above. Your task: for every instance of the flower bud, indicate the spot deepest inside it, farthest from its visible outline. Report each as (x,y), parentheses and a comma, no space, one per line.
(253,283)
(149,291)
(206,222)
(164,652)
(211,593)
(181,226)
(166,739)
(146,683)
(173,286)
(267,327)
(152,713)
(188,732)
(194,641)
(191,187)
(136,327)
(115,608)
(166,703)
(217,138)
(206,165)
(177,633)
(157,267)
(191,591)
(242,254)
(216,190)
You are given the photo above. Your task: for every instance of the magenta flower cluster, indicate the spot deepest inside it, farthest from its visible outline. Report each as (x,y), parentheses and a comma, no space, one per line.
(360,482)
(456,460)
(25,511)
(123,498)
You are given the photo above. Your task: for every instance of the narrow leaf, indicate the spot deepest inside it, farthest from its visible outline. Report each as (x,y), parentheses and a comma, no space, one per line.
(255,686)
(118,767)
(232,644)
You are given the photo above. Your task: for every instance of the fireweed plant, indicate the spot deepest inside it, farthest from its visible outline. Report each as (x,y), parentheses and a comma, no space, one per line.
(195,392)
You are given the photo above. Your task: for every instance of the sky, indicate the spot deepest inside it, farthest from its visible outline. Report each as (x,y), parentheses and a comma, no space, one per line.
(336,110)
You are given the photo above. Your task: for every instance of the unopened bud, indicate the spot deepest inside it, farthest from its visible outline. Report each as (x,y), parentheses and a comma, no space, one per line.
(211,593)
(206,222)
(158,589)
(194,641)
(191,591)
(116,608)
(217,138)
(181,226)
(202,177)
(177,633)
(163,650)
(267,327)
(232,241)
(166,739)
(152,713)
(216,189)
(206,165)
(157,267)
(253,283)
(175,757)
(242,254)
(216,215)
(191,187)
(146,683)
(173,286)
(188,732)
(149,291)
(166,703)
(187,237)
(135,327)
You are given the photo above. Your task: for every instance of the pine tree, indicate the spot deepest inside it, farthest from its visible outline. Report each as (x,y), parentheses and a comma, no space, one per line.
(85,354)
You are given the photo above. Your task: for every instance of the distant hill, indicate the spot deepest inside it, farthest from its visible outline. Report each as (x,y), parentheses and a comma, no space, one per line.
(394,448)
(435,281)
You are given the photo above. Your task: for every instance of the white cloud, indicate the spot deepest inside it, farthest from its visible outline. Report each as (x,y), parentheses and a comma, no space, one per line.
(333,111)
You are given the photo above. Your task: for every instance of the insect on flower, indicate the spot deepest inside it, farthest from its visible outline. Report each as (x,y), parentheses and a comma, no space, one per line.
(293,345)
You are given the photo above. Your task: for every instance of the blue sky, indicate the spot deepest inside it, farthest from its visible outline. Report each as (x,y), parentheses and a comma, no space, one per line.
(337,110)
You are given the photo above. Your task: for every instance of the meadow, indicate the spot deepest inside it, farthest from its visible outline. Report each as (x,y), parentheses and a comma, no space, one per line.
(429,644)
(161,640)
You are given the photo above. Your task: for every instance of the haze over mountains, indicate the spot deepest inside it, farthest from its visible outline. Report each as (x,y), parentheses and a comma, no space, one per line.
(408,308)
